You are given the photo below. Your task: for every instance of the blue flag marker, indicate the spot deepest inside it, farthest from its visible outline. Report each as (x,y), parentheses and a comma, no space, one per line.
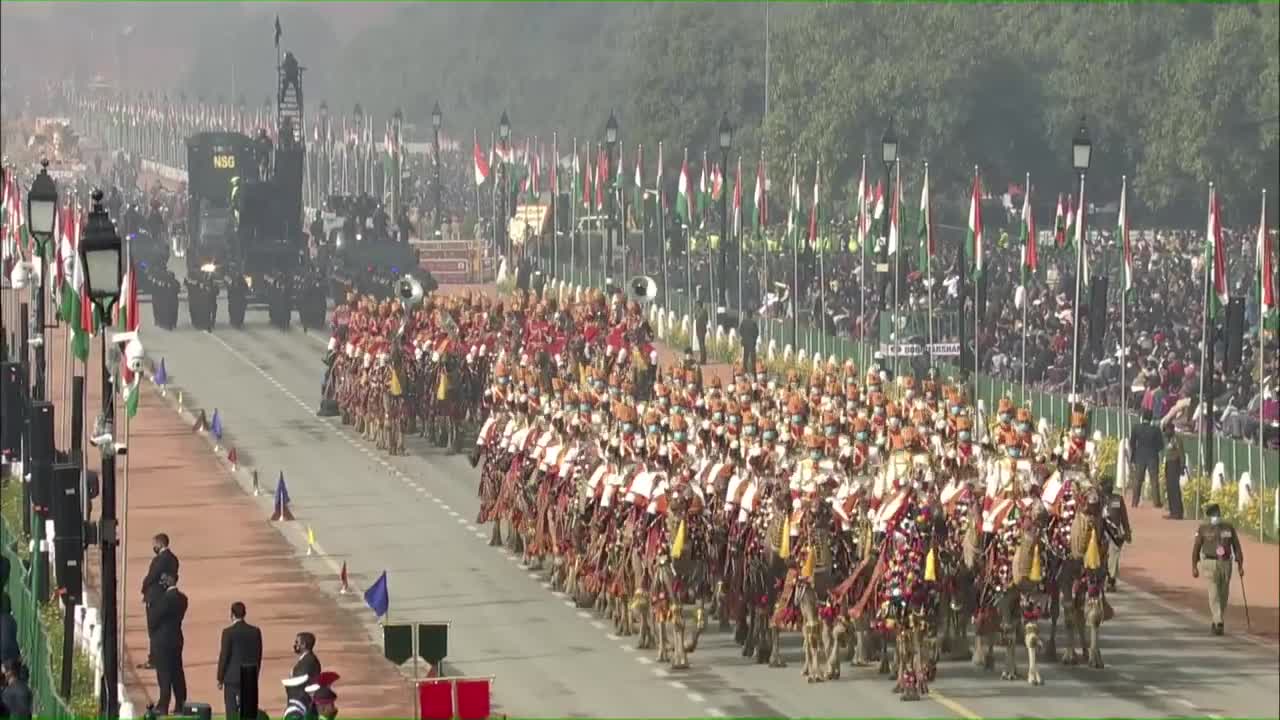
(376,596)
(215,427)
(161,376)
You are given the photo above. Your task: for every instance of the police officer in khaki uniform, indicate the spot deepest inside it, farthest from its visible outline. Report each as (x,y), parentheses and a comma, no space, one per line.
(1217,544)
(1116,523)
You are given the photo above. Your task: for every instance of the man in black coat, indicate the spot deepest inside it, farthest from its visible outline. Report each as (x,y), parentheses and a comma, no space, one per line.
(1146,442)
(307,666)
(749,332)
(163,562)
(241,646)
(16,697)
(701,327)
(164,623)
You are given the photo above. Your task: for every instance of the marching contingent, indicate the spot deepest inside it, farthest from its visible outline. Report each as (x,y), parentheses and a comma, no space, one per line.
(883,518)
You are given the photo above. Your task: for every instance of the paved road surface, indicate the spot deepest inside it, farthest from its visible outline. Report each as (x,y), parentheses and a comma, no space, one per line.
(413,516)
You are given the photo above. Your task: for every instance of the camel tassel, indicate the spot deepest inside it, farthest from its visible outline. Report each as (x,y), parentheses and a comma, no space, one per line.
(1036,574)
(677,547)
(784,551)
(1092,556)
(807,570)
(394,384)
(582,375)
(931,566)
(442,391)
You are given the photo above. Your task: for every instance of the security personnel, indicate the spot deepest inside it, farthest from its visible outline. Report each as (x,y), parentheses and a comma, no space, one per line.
(1217,544)
(1115,519)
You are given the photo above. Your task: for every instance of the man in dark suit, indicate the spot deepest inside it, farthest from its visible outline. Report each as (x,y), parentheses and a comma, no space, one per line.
(163,562)
(749,332)
(241,646)
(1145,445)
(305,671)
(701,327)
(164,623)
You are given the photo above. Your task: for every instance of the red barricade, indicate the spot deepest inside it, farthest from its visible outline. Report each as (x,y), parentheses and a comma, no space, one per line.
(455,699)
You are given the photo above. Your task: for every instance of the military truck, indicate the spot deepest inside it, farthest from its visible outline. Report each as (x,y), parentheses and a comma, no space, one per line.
(244,222)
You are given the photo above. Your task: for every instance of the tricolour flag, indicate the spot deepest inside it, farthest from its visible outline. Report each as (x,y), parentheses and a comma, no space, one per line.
(684,195)
(925,230)
(639,178)
(1266,275)
(761,214)
(128,320)
(1080,228)
(1060,223)
(1122,231)
(895,208)
(860,207)
(480,162)
(974,236)
(1030,252)
(1219,296)
(815,209)
(737,201)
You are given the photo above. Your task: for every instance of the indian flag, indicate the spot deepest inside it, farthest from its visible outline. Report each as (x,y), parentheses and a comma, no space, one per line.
(1218,258)
(684,196)
(1080,236)
(75,308)
(761,215)
(737,201)
(1060,223)
(926,223)
(1122,231)
(975,227)
(480,162)
(816,207)
(860,210)
(639,179)
(1030,253)
(794,209)
(895,215)
(1266,275)
(128,320)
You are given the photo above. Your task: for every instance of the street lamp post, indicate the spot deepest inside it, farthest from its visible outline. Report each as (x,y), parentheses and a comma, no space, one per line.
(889,154)
(42,210)
(437,119)
(1081,154)
(611,142)
(500,221)
(726,140)
(101,256)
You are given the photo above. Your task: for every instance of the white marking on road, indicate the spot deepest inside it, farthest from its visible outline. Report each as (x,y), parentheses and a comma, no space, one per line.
(584,614)
(438,501)
(453,513)
(570,604)
(644,660)
(715,712)
(695,698)
(1184,701)
(482,536)
(613,636)
(471,526)
(1151,689)
(627,648)
(1213,716)
(462,521)
(597,624)
(661,672)
(677,684)
(545,585)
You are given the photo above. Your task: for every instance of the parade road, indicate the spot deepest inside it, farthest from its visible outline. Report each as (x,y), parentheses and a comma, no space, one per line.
(414,516)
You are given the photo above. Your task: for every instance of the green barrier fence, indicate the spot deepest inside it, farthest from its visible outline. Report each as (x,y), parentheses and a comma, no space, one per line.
(32,639)
(1236,456)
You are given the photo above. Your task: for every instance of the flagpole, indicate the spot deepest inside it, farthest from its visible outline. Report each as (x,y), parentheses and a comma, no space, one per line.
(1263,271)
(794,231)
(896,219)
(1205,465)
(1124,302)
(862,280)
(1026,292)
(475,143)
(662,235)
(822,272)
(977,288)
(573,210)
(928,261)
(1075,323)
(555,198)
(688,241)
(737,214)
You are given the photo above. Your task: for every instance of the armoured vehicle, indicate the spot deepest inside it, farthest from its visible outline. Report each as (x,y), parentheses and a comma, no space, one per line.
(244,221)
(358,253)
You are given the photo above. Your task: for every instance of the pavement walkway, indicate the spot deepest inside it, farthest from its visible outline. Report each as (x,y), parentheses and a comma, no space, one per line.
(229,550)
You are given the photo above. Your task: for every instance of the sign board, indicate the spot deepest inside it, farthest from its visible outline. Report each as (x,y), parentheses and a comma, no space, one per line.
(914,349)
(404,641)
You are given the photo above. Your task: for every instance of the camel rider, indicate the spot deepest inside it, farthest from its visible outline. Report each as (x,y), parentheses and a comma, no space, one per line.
(1216,544)
(1115,520)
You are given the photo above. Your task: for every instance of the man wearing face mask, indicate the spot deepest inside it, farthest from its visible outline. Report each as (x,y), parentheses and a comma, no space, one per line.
(164,561)
(1216,545)
(305,671)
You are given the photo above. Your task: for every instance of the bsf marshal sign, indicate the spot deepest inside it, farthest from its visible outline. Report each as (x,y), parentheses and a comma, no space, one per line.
(916,349)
